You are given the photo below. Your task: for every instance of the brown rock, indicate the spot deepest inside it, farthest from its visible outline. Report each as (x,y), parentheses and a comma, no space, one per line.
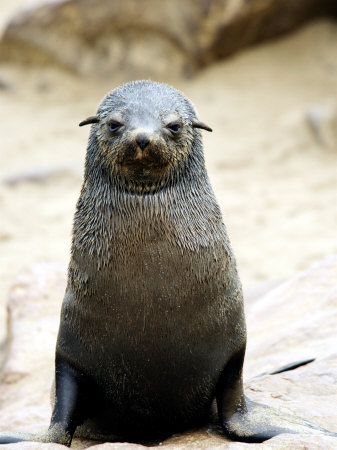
(294,321)
(148,38)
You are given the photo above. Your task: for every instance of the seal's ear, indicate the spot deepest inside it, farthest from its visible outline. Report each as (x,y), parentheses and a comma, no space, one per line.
(91,119)
(197,124)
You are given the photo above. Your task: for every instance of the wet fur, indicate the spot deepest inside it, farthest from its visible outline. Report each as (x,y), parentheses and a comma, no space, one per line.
(158,269)
(152,326)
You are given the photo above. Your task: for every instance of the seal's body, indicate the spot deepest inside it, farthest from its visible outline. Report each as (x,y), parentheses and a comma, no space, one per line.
(152,280)
(148,326)
(152,326)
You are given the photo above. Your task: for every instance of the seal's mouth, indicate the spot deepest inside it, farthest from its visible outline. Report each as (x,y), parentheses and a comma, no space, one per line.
(133,158)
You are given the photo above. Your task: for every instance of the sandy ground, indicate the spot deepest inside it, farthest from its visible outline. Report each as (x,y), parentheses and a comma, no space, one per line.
(275,180)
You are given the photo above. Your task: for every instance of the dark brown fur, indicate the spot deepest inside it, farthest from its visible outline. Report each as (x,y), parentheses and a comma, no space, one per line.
(149,249)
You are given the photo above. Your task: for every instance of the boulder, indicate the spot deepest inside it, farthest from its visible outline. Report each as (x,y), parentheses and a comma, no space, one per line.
(137,39)
(293,322)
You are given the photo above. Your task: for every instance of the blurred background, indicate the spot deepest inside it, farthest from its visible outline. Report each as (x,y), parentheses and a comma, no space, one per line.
(262,74)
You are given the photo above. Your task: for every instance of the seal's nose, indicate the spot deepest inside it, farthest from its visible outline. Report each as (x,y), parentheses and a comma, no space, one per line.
(142,140)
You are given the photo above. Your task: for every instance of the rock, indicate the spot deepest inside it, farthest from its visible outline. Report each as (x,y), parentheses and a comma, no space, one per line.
(289,442)
(253,292)
(33,308)
(295,321)
(148,38)
(42,174)
(322,120)
(5,85)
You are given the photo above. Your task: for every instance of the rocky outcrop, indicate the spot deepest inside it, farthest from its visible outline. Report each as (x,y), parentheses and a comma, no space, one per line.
(295,321)
(138,39)
(33,309)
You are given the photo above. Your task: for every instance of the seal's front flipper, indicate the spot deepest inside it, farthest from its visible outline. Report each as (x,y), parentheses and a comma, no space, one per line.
(69,408)
(244,420)
(258,423)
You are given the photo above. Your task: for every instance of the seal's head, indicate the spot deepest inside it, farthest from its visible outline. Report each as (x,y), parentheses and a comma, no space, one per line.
(143,130)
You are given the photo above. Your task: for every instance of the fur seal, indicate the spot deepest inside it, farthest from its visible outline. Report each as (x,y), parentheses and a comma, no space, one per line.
(152,327)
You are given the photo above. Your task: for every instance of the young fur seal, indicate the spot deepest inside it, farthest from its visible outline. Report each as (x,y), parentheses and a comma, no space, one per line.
(152,326)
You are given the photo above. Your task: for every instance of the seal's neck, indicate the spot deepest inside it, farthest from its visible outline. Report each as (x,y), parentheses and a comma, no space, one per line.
(183,211)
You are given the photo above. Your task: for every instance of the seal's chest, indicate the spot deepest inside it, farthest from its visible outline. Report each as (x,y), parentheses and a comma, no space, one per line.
(160,279)
(152,302)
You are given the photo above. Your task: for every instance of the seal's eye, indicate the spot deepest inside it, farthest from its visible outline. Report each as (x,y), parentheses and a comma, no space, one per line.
(114,125)
(174,127)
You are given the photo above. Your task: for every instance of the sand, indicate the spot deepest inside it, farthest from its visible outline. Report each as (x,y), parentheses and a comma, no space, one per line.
(275,179)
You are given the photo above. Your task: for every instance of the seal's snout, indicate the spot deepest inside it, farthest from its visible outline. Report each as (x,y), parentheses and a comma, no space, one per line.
(142,140)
